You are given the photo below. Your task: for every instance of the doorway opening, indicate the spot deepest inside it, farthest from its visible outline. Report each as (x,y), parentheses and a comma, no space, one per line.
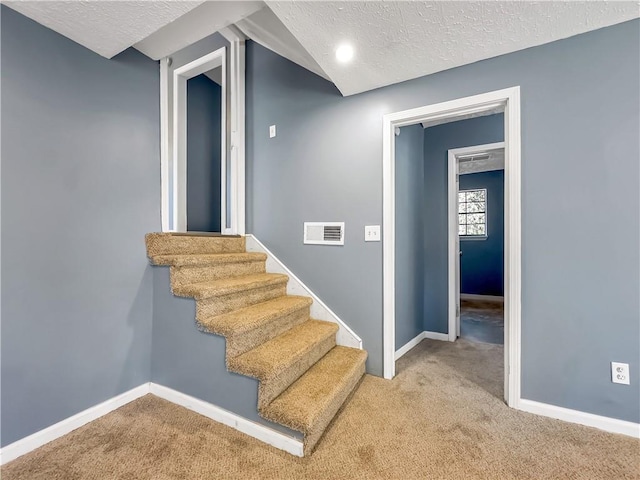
(205,151)
(218,193)
(475,189)
(508,102)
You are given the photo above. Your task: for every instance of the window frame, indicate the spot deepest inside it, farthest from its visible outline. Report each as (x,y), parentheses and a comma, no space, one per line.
(466,237)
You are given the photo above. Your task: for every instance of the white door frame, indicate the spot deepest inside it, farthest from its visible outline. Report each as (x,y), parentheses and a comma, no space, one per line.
(509,100)
(179,185)
(454,243)
(173,124)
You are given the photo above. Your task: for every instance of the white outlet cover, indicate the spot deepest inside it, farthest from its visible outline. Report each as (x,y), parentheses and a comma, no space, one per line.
(372,233)
(620,373)
(272,131)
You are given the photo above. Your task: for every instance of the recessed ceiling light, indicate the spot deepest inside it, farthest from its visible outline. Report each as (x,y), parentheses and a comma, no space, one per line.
(344,53)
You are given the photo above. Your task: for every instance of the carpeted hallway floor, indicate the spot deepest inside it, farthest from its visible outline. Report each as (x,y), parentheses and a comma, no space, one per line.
(442,417)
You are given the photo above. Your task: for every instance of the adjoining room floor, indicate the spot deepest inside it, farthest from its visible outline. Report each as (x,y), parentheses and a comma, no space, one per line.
(442,417)
(482,321)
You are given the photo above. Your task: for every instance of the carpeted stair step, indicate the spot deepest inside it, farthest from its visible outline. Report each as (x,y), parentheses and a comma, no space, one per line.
(248,327)
(197,268)
(283,359)
(228,294)
(181,244)
(310,403)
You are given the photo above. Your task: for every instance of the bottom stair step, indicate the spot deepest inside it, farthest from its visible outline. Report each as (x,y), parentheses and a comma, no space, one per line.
(311,402)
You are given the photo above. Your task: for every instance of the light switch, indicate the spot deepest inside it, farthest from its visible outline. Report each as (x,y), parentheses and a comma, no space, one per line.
(272,131)
(372,233)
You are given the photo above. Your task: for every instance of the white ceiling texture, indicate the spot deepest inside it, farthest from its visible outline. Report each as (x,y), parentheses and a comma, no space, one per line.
(393,41)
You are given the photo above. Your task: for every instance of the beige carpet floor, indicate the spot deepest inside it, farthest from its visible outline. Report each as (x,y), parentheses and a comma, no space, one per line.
(442,417)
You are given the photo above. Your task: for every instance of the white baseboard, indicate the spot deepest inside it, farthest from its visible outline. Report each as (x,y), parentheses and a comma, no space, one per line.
(409,345)
(607,424)
(319,309)
(443,337)
(57,430)
(482,298)
(265,434)
(418,338)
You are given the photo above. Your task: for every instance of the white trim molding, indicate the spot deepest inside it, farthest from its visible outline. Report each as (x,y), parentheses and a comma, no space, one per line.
(507,100)
(260,432)
(319,310)
(57,430)
(612,425)
(411,344)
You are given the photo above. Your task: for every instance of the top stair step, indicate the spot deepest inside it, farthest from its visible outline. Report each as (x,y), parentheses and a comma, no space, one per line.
(185,244)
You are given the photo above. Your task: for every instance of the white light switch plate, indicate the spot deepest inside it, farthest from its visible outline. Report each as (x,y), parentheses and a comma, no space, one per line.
(272,131)
(372,233)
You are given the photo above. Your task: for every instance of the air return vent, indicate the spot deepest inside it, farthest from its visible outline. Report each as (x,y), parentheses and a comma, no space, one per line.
(324,233)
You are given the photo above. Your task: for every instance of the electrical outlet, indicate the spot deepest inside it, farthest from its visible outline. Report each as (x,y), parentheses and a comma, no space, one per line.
(372,233)
(620,373)
(272,131)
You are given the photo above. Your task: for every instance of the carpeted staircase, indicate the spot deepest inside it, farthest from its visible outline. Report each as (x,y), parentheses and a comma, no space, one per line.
(304,376)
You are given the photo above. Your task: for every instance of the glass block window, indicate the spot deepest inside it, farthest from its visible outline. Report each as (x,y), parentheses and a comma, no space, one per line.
(472,213)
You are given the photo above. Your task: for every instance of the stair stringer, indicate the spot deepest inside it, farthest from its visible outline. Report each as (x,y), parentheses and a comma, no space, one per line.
(319,310)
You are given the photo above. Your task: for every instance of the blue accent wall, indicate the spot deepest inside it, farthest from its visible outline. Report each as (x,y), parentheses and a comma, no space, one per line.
(204,104)
(482,261)
(580,107)
(438,141)
(409,180)
(80,188)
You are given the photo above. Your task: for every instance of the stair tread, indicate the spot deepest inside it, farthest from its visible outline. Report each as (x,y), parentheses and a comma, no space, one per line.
(226,286)
(254,316)
(268,360)
(207,259)
(305,403)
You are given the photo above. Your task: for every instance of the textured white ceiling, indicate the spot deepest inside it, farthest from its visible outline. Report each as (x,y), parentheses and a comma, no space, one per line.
(206,19)
(106,27)
(397,41)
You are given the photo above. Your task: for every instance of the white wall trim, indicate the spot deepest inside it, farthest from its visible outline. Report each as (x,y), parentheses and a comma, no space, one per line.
(443,337)
(417,339)
(295,286)
(260,432)
(57,430)
(481,298)
(237,134)
(612,425)
(403,350)
(509,101)
(165,149)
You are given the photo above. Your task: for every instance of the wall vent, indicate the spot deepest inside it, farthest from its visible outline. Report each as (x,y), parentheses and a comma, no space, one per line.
(324,233)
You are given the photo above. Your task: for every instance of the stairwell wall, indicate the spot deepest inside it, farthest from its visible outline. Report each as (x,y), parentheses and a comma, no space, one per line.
(580,183)
(79,189)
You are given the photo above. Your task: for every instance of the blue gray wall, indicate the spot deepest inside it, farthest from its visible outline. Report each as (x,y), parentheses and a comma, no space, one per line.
(482,261)
(80,188)
(410,246)
(437,141)
(204,109)
(580,151)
